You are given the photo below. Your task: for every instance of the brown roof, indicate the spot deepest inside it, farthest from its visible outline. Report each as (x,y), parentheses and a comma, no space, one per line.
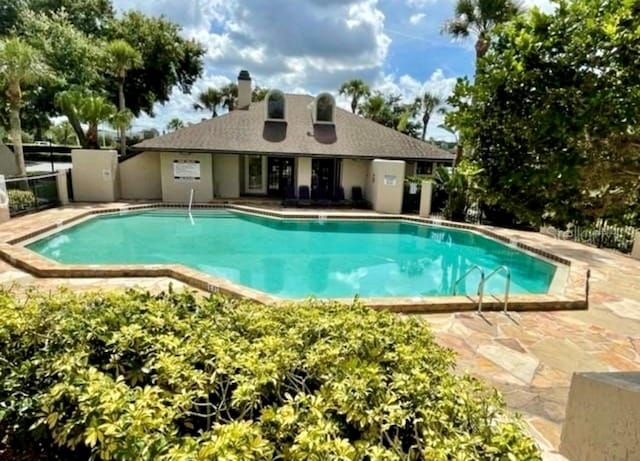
(246,131)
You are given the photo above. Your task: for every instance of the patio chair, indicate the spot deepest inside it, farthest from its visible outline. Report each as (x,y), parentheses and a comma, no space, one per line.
(339,198)
(303,196)
(357,198)
(289,197)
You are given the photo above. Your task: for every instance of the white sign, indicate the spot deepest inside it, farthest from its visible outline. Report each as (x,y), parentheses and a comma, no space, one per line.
(413,188)
(186,169)
(390,180)
(4,197)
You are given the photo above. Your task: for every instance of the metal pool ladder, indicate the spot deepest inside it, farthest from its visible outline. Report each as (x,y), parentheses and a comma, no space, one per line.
(483,281)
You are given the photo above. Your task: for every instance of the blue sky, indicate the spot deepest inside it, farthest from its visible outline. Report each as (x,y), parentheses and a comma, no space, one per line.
(310,46)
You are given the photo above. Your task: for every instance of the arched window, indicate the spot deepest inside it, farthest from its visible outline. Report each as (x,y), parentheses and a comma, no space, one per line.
(325,108)
(276,109)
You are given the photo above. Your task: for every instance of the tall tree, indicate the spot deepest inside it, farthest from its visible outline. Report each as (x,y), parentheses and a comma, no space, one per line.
(95,110)
(68,103)
(553,117)
(478,18)
(122,57)
(20,66)
(356,89)
(210,99)
(175,124)
(64,134)
(428,104)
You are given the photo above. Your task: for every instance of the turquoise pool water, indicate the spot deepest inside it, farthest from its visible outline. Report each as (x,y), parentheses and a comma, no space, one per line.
(295,259)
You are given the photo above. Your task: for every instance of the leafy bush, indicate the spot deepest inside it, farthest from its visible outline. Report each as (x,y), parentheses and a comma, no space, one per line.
(128,375)
(20,200)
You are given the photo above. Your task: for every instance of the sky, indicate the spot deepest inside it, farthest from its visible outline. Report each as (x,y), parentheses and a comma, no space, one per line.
(312,46)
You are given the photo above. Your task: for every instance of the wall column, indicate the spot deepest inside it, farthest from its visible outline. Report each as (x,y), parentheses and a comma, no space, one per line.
(303,173)
(635,252)
(63,192)
(425,198)
(4,201)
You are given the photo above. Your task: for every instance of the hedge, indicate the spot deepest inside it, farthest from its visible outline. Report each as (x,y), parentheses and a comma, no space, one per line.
(134,376)
(20,200)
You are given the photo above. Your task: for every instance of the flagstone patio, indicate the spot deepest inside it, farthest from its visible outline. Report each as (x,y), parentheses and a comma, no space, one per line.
(529,356)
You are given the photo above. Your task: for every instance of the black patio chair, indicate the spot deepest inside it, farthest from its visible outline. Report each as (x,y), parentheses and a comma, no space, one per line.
(357,198)
(303,196)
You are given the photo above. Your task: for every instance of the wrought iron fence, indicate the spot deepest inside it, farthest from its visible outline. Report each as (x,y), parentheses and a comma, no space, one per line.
(600,234)
(31,193)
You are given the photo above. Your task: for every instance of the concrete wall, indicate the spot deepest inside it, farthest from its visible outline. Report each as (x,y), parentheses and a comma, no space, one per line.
(226,174)
(385,187)
(354,173)
(303,172)
(603,417)
(177,190)
(140,177)
(94,175)
(7,161)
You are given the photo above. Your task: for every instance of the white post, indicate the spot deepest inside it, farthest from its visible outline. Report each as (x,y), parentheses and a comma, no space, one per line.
(425,198)
(635,252)
(63,192)
(4,201)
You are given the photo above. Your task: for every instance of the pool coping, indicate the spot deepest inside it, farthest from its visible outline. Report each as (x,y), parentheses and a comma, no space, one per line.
(571,296)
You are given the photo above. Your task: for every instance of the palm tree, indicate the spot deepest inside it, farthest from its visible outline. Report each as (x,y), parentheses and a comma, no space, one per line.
(175,124)
(69,103)
(209,99)
(94,110)
(229,95)
(428,103)
(122,57)
(259,93)
(20,65)
(121,121)
(356,89)
(479,17)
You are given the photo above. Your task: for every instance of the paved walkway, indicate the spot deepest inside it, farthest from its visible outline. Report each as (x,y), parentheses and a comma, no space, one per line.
(530,356)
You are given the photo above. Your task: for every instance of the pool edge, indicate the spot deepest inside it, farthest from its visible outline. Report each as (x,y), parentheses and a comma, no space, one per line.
(572,297)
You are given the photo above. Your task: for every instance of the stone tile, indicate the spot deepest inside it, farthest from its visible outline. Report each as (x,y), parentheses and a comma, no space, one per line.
(520,365)
(566,356)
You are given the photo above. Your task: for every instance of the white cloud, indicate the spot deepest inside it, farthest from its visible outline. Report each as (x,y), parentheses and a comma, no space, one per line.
(545,5)
(416,18)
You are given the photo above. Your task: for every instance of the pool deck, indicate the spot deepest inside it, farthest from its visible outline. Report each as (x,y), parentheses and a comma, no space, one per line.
(529,356)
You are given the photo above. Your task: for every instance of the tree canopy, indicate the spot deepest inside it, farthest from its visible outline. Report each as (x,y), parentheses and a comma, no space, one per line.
(552,118)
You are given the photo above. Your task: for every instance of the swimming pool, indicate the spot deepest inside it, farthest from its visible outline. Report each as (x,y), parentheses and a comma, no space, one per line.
(300,258)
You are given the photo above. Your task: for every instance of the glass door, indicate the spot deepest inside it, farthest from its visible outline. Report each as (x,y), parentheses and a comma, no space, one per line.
(280,177)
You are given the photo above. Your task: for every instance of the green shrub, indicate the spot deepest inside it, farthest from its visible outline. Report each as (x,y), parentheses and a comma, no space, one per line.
(20,200)
(131,376)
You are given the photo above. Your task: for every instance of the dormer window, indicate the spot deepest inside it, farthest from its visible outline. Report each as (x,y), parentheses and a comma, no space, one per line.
(325,108)
(276,109)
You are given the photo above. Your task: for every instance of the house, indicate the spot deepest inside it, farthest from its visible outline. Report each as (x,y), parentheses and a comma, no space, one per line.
(271,148)
(7,161)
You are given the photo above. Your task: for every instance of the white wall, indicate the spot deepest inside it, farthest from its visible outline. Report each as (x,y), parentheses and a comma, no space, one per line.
(177,190)
(354,173)
(7,161)
(94,175)
(386,185)
(140,177)
(226,174)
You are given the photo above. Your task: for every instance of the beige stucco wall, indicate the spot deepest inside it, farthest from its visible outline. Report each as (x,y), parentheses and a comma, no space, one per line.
(226,173)
(603,417)
(178,191)
(386,196)
(94,175)
(140,177)
(303,172)
(354,173)
(7,161)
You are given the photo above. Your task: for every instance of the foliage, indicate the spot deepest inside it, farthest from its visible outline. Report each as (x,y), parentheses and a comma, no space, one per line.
(460,188)
(553,115)
(209,99)
(427,103)
(259,93)
(64,134)
(175,124)
(479,18)
(20,200)
(388,110)
(121,376)
(356,89)
(91,109)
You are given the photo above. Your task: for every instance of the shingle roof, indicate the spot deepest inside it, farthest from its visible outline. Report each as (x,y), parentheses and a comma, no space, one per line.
(246,131)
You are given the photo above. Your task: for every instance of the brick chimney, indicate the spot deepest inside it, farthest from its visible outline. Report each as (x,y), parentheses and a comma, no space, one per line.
(244,89)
